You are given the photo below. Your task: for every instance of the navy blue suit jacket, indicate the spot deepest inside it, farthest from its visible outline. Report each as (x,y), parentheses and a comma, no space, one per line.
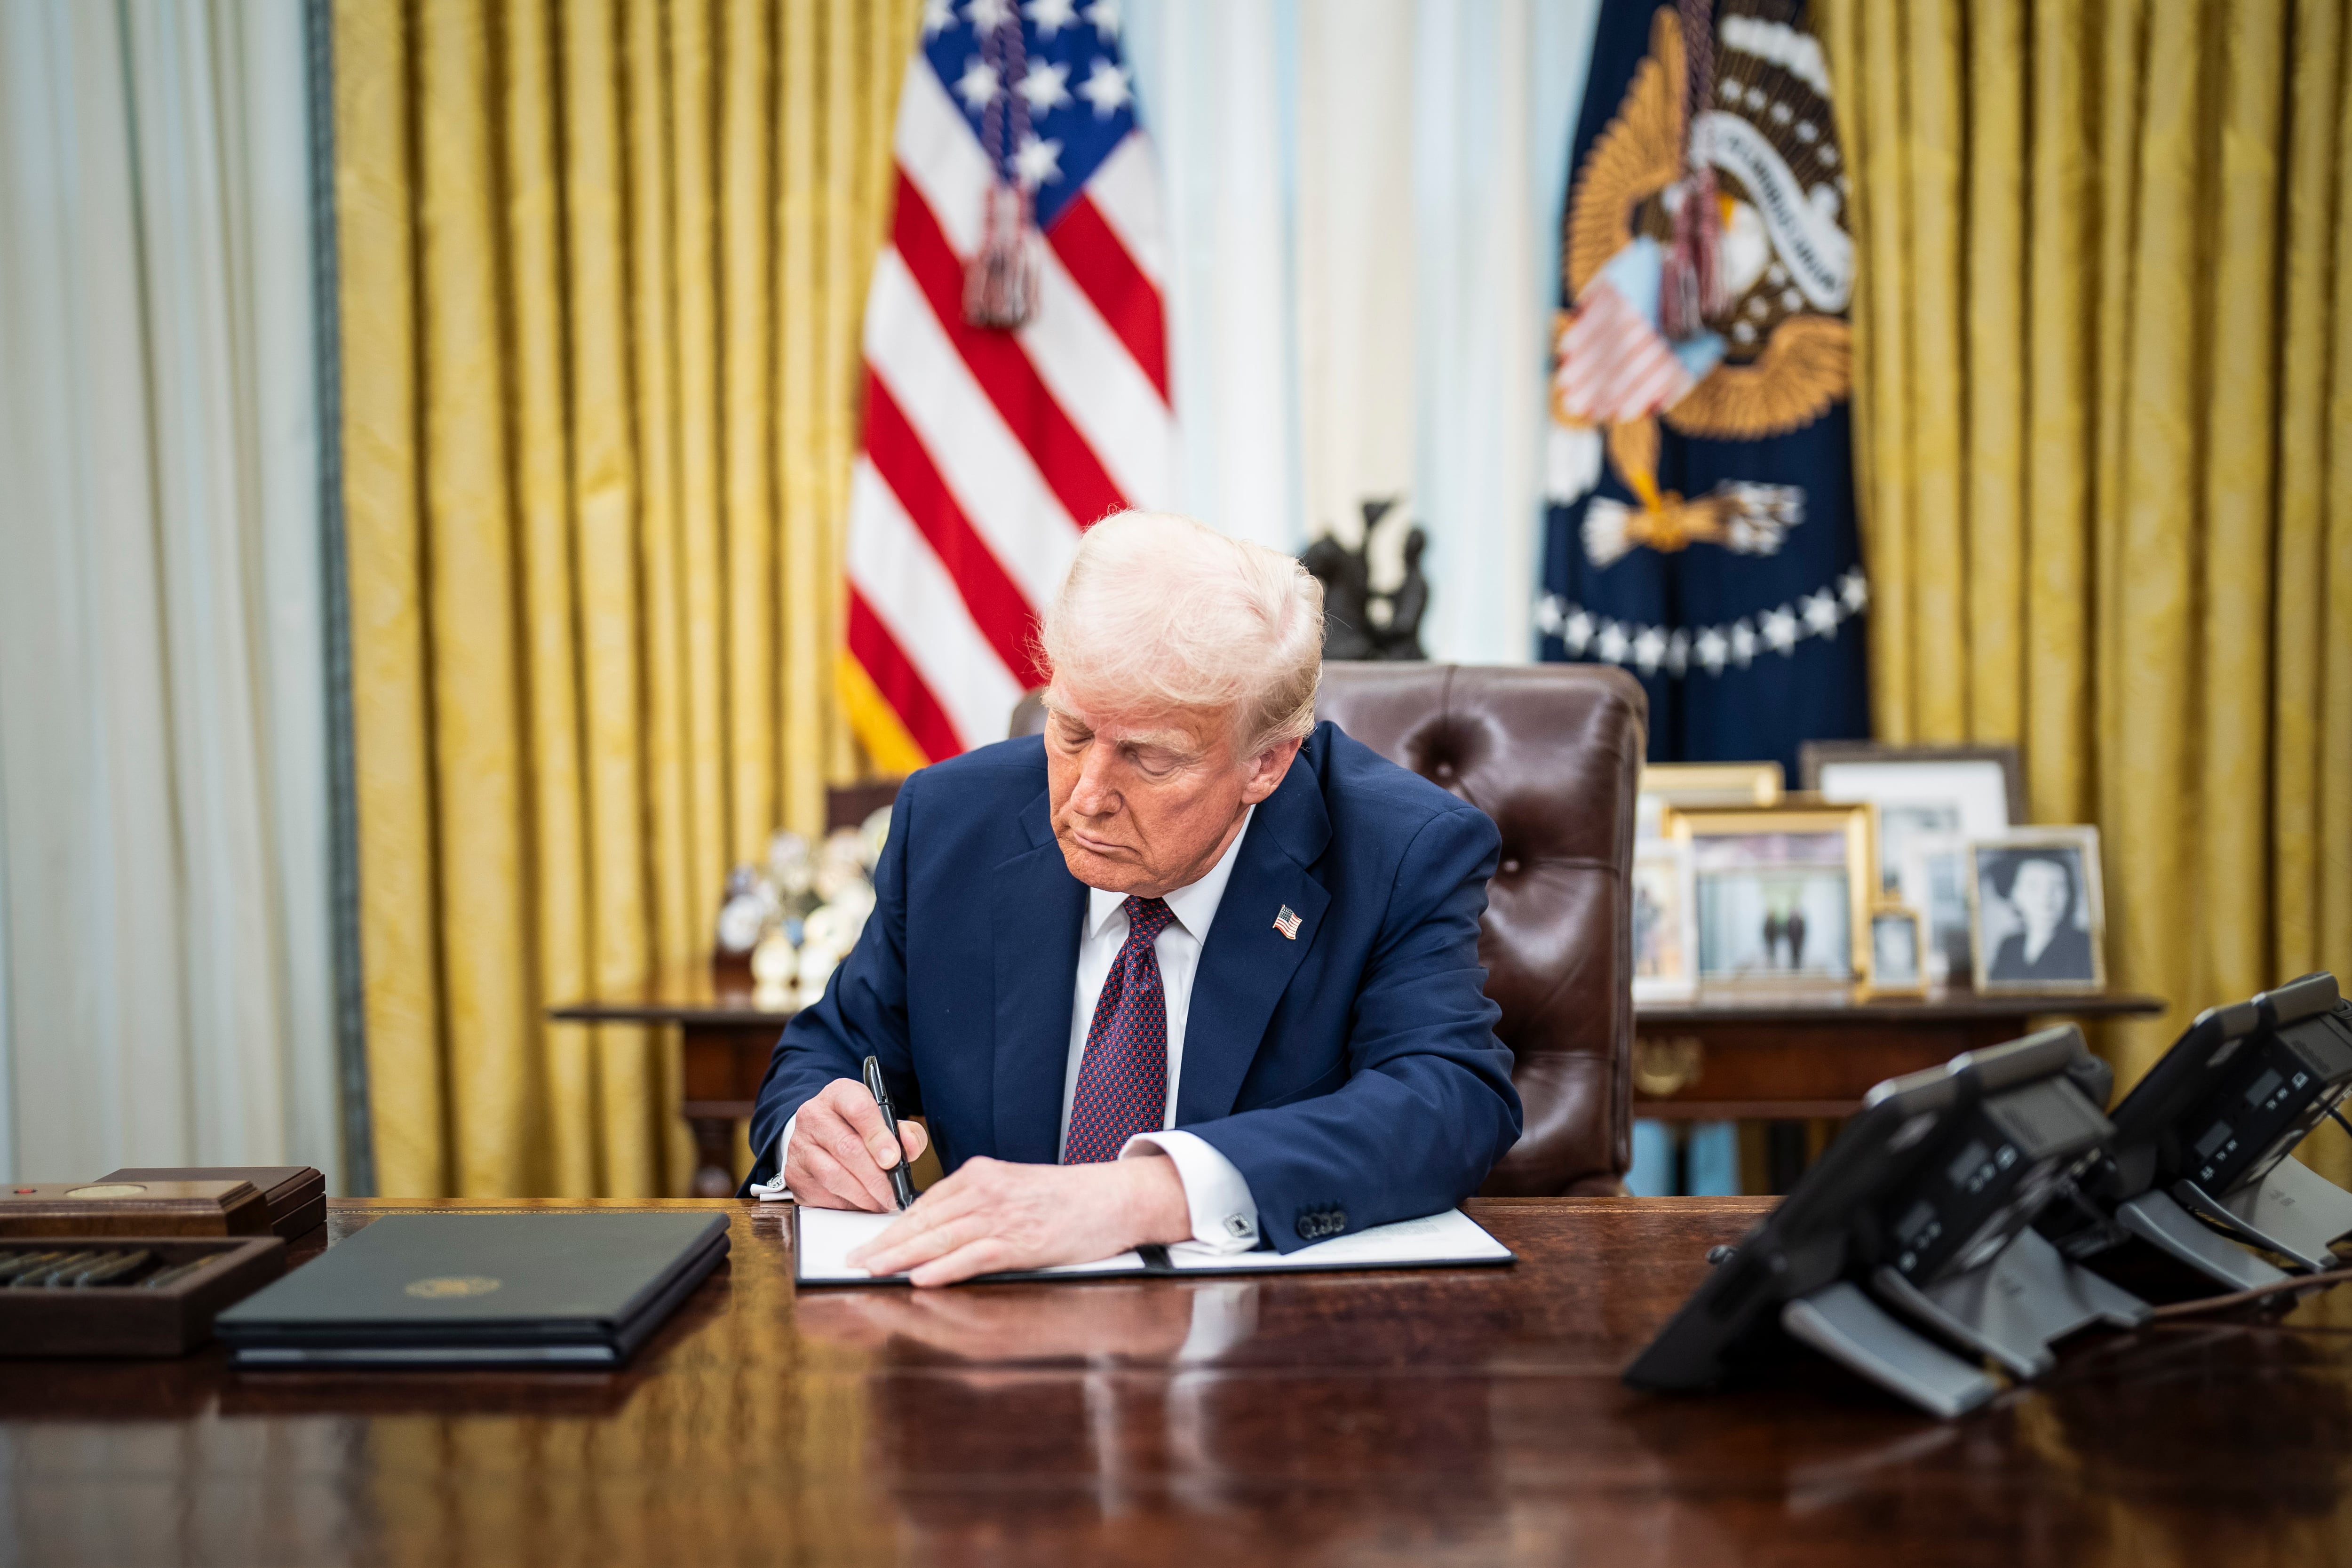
(1350,1074)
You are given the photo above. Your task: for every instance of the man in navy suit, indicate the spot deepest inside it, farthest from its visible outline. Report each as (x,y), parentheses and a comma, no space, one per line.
(1191,968)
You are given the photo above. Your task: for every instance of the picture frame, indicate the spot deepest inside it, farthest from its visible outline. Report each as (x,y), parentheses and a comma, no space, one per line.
(1665,786)
(1930,801)
(1665,922)
(1782,893)
(1898,952)
(2042,930)
(1819,761)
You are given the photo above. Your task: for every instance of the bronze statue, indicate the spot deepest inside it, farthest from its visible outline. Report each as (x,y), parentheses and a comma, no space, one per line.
(1350,630)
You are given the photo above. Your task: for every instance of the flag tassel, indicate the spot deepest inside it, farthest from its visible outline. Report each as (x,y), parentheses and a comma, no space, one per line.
(1000,281)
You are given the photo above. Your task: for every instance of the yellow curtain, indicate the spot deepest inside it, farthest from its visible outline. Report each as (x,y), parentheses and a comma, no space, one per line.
(602,265)
(2103,390)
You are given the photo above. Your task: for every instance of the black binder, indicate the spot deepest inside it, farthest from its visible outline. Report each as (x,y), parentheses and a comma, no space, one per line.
(560,1288)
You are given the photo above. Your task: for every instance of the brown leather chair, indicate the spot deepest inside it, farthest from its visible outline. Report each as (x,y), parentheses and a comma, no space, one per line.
(1553,753)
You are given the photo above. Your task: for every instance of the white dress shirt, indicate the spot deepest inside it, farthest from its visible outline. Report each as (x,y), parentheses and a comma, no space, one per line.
(1224,1214)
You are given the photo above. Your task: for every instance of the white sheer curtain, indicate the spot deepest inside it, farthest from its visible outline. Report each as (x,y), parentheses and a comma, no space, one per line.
(1364,207)
(165,971)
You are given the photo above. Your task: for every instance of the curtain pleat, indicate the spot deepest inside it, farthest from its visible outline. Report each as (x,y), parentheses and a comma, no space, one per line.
(535,212)
(2105,371)
(605,264)
(409,1087)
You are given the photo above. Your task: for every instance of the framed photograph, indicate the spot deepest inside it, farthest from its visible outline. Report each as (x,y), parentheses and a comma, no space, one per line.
(1665,922)
(1930,799)
(1967,768)
(1783,893)
(1691,786)
(1898,952)
(2037,918)
(1934,881)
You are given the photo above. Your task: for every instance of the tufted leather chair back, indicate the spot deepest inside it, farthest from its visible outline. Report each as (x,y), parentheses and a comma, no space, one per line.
(1553,753)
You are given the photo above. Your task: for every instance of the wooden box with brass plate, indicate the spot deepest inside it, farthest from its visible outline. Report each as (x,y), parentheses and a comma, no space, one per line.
(297,1195)
(133,1208)
(112,1294)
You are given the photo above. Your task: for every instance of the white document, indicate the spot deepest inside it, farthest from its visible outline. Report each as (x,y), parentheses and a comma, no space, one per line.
(827,1236)
(1449,1237)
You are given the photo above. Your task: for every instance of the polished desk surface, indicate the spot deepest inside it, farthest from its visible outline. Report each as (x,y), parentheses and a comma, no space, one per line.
(1455,1417)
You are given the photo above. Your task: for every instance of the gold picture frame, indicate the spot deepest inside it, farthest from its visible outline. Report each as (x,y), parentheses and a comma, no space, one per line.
(1999,971)
(1692,786)
(1736,851)
(1882,981)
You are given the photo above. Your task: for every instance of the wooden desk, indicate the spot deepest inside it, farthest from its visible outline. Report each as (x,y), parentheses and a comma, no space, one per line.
(1719,1059)
(1457,1416)
(1725,1057)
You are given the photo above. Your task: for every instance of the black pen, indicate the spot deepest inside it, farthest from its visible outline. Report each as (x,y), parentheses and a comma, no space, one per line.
(901,1186)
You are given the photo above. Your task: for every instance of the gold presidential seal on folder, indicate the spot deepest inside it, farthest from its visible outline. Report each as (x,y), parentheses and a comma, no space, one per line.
(446,1285)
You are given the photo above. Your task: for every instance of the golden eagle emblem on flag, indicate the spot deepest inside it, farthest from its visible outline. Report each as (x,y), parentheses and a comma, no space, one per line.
(1711,268)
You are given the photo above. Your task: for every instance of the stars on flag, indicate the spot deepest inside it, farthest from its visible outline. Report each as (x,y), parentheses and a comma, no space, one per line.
(1651,649)
(1714,647)
(1106,88)
(1037,162)
(1050,17)
(1044,87)
(979,85)
(1061,99)
(1819,612)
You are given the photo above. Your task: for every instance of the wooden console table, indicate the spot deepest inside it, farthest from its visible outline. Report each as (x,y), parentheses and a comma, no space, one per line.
(728,1040)
(1724,1059)
(1767,1057)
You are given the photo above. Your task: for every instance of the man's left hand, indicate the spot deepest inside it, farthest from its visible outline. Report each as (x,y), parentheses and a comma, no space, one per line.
(993,1215)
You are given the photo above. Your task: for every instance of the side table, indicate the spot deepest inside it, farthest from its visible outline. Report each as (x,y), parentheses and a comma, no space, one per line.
(728,1038)
(1727,1057)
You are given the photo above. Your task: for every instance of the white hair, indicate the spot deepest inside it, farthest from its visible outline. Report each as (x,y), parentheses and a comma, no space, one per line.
(1157,608)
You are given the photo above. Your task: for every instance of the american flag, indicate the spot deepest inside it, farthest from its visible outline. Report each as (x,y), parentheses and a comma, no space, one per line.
(987,451)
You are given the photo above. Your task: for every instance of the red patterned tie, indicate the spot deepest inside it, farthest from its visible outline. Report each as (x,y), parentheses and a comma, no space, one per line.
(1123,1077)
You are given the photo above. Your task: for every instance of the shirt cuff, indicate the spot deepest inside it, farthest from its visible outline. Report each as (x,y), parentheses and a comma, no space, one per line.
(775,1191)
(1224,1214)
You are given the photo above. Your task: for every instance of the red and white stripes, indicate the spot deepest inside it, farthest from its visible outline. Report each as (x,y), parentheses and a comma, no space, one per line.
(987,452)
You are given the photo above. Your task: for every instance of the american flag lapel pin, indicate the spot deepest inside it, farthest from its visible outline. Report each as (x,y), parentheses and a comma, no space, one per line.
(1287,922)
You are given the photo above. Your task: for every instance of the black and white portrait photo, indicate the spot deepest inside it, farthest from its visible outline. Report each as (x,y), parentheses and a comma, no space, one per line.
(2037,911)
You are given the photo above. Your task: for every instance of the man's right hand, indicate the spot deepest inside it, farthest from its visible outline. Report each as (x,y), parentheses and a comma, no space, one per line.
(841,1154)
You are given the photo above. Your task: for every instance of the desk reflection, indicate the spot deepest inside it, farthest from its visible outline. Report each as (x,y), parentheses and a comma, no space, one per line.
(1148,1321)
(1098,1401)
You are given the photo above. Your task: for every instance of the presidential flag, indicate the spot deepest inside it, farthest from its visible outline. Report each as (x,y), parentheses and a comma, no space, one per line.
(1701,532)
(1016,364)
